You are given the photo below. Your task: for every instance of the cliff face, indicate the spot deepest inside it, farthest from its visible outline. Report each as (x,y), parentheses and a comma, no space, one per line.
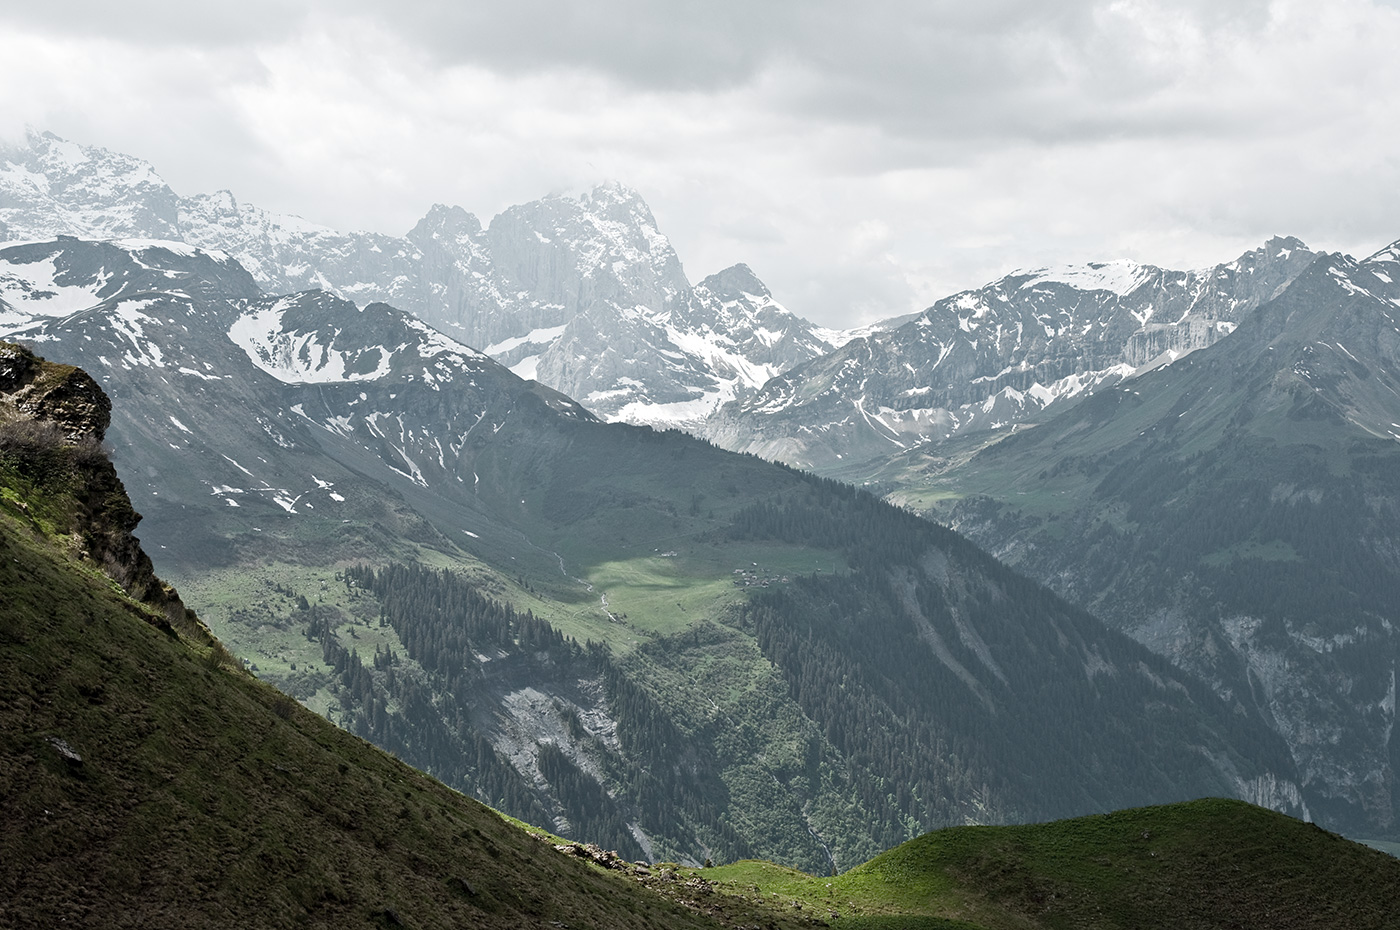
(52,421)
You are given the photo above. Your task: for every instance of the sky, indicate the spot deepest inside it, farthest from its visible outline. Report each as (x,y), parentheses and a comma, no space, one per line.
(864,160)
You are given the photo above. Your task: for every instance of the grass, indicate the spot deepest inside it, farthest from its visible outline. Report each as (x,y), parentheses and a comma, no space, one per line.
(655,593)
(1208,863)
(667,592)
(257,615)
(924,498)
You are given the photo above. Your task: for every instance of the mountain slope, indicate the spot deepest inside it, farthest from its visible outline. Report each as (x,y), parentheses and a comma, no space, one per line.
(997,356)
(1236,512)
(281,447)
(584,293)
(146,782)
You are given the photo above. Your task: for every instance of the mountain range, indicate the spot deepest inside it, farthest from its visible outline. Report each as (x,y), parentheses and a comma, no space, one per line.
(584,293)
(268,422)
(550,611)
(588,296)
(996,356)
(1235,511)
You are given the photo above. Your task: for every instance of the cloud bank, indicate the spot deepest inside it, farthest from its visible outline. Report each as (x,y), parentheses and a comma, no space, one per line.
(863,161)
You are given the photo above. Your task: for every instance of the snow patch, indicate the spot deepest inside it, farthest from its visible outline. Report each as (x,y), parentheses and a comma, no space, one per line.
(542,336)
(1118,277)
(32,292)
(299,358)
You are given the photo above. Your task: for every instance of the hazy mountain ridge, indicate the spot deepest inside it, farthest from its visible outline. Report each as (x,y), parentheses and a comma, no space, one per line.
(998,355)
(585,293)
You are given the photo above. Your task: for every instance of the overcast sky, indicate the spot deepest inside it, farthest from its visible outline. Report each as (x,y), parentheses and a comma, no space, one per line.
(863,159)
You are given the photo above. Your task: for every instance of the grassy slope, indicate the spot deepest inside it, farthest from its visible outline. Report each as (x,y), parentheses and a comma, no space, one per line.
(1209,863)
(207,799)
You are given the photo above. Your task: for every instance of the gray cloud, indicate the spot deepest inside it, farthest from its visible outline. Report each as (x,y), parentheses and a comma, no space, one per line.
(1001,69)
(154,23)
(864,160)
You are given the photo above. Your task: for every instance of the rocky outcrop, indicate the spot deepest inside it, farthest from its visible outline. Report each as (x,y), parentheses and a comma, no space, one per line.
(52,421)
(61,394)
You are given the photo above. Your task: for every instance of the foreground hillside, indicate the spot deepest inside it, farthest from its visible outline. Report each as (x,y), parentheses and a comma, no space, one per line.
(147,781)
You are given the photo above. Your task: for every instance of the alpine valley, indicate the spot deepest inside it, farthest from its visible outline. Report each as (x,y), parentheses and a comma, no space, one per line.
(633,636)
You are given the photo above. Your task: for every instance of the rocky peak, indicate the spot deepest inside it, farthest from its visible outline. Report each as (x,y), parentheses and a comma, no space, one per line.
(1385,265)
(51,185)
(52,421)
(603,246)
(444,222)
(1280,247)
(221,204)
(734,283)
(617,201)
